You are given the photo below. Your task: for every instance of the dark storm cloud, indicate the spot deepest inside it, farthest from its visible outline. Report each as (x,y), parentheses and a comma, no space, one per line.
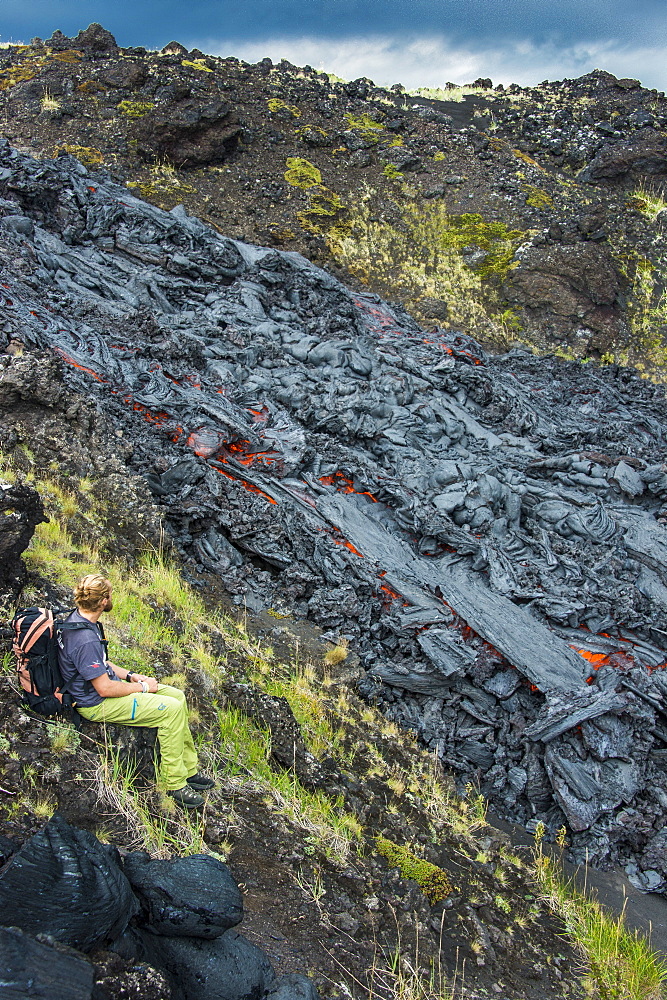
(419,42)
(154,22)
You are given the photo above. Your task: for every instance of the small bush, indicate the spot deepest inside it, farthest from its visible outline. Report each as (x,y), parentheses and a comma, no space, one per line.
(337,653)
(392,172)
(649,202)
(49,102)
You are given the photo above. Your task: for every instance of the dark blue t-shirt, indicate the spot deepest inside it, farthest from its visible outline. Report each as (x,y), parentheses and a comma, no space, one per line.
(81,658)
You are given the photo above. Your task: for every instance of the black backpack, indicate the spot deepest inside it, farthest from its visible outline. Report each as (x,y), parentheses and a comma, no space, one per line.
(36,649)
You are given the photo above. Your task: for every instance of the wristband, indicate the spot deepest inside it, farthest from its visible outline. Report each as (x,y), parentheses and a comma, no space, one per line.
(128,676)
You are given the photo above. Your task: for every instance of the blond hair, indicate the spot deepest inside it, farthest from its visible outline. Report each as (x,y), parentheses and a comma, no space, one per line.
(90,591)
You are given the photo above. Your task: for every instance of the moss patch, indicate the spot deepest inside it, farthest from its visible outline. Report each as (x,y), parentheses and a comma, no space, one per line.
(537,198)
(88,155)
(135,109)
(433,881)
(29,68)
(199,64)
(367,128)
(302,173)
(275,105)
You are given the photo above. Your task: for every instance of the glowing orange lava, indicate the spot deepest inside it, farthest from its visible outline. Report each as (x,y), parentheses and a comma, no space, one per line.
(345,485)
(250,487)
(596,659)
(75,364)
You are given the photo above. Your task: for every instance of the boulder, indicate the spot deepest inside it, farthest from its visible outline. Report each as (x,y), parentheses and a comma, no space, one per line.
(194,896)
(123,75)
(34,970)
(65,883)
(645,153)
(292,987)
(95,38)
(21,510)
(174,49)
(58,42)
(655,852)
(226,968)
(401,157)
(570,285)
(188,132)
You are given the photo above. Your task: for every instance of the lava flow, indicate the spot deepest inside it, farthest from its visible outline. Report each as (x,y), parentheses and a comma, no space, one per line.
(345,485)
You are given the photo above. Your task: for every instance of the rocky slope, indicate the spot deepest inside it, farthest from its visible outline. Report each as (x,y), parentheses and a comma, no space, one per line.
(320,456)
(529,215)
(345,916)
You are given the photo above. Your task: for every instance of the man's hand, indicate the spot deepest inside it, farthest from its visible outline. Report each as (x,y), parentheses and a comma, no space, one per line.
(148,680)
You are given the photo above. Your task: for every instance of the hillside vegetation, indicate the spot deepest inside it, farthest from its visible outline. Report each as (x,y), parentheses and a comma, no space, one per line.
(526,215)
(377,873)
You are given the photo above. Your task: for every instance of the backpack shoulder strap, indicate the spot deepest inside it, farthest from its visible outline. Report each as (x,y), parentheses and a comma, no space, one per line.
(89,627)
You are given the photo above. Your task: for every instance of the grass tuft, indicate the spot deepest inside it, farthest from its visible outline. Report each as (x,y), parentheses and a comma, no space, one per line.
(619,962)
(337,653)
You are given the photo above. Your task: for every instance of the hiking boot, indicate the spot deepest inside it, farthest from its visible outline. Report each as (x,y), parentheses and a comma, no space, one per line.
(187,797)
(200,781)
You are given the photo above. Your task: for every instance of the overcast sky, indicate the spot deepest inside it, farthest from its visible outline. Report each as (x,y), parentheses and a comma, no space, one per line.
(413,42)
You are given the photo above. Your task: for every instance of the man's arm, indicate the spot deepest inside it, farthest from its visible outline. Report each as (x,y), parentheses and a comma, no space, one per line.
(123,674)
(106,688)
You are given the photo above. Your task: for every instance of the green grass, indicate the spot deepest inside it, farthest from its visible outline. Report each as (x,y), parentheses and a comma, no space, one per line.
(620,964)
(648,201)
(246,749)
(153,823)
(157,616)
(150,600)
(299,687)
(399,241)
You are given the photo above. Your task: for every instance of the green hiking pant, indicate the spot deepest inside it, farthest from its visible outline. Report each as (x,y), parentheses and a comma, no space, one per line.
(166,711)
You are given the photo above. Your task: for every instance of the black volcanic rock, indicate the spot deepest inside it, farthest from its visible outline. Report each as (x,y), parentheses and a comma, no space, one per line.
(96,39)
(532,175)
(566,284)
(189,133)
(194,896)
(63,882)
(124,74)
(642,155)
(458,516)
(35,969)
(21,510)
(226,968)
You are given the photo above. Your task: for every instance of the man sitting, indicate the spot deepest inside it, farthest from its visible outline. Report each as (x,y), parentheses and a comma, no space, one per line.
(104,692)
